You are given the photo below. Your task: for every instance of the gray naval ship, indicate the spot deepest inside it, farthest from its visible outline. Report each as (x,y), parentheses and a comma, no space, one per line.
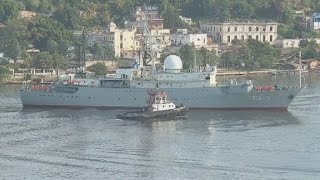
(129,89)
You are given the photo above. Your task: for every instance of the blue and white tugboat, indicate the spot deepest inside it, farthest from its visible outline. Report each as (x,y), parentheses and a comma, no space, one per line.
(158,107)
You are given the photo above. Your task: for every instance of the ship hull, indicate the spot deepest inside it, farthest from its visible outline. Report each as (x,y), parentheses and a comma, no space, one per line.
(218,98)
(155,115)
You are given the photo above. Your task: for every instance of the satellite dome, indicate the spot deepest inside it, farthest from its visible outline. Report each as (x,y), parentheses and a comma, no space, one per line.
(173,62)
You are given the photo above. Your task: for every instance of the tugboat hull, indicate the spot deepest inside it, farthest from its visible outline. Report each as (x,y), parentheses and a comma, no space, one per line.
(152,115)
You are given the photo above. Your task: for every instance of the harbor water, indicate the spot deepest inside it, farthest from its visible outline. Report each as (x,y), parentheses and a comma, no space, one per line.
(93,144)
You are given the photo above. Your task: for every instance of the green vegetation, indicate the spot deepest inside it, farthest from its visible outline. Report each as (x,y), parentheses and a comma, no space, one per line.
(99,69)
(51,29)
(248,56)
(4,71)
(74,14)
(192,57)
(310,50)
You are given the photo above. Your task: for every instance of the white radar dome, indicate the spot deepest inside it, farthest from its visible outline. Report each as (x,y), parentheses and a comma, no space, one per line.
(173,62)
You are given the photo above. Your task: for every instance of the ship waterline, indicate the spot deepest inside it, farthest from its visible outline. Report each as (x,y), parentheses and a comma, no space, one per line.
(219,98)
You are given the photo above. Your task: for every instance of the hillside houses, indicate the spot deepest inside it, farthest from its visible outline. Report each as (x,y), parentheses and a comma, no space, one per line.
(128,41)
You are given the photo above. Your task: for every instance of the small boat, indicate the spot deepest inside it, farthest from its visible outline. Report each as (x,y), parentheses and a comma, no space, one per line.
(158,107)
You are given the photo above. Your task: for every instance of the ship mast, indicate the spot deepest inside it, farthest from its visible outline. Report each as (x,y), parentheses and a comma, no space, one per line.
(82,54)
(149,45)
(300,70)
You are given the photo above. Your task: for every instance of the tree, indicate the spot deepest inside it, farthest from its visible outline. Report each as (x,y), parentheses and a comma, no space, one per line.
(43,60)
(43,6)
(311,50)
(260,55)
(243,10)
(99,69)
(109,52)
(69,17)
(187,55)
(58,62)
(13,50)
(15,33)
(4,72)
(171,18)
(47,34)
(206,57)
(229,60)
(31,5)
(8,9)
(98,51)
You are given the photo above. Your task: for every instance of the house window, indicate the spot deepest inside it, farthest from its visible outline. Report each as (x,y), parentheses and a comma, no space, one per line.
(271,38)
(250,37)
(257,37)
(242,37)
(235,28)
(229,39)
(228,29)
(271,28)
(250,29)
(264,38)
(257,29)
(235,37)
(264,29)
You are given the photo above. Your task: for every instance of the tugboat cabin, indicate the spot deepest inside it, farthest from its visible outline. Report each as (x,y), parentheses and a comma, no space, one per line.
(158,101)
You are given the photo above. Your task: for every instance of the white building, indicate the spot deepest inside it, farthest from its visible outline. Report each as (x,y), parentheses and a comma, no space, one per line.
(293,43)
(162,36)
(186,20)
(183,38)
(119,39)
(147,13)
(225,33)
(315,21)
